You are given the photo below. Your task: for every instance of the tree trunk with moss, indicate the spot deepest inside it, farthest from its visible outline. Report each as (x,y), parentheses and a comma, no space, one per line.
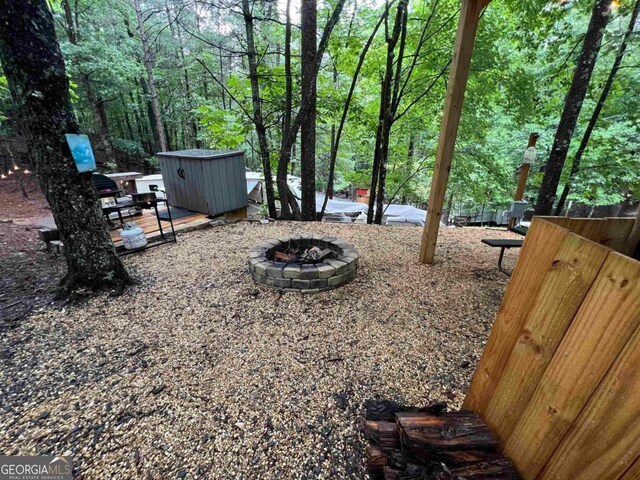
(36,75)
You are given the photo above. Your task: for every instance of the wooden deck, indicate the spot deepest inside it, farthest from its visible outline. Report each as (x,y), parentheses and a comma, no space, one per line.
(148,222)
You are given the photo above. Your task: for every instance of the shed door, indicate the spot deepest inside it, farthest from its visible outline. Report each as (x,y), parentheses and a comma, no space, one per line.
(194,186)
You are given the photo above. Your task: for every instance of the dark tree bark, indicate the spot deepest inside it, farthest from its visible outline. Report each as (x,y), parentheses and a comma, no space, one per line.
(100,115)
(575,166)
(258,120)
(572,105)
(127,120)
(288,202)
(388,107)
(449,208)
(35,71)
(143,127)
(301,116)
(153,126)
(393,88)
(309,26)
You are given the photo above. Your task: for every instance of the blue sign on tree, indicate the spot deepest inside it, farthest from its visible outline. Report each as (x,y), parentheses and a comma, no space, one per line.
(82,153)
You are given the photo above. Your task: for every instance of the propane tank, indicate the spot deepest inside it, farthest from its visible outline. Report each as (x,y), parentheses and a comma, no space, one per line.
(133,236)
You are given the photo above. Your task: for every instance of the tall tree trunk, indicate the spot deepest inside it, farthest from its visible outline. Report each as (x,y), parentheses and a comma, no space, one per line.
(35,71)
(153,126)
(308,47)
(100,114)
(388,105)
(149,63)
(131,134)
(221,70)
(143,132)
(572,106)
(375,168)
(575,167)
(335,145)
(288,142)
(449,208)
(288,203)
(191,119)
(258,121)
(96,102)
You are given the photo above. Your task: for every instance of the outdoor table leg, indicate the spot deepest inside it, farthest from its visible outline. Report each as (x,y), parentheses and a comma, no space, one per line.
(155,207)
(173,232)
(500,267)
(120,217)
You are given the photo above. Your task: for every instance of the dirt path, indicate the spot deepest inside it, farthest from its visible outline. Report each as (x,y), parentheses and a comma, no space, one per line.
(28,274)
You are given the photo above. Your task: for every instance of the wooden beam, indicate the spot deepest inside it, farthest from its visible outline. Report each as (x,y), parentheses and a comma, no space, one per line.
(633,240)
(465,39)
(524,174)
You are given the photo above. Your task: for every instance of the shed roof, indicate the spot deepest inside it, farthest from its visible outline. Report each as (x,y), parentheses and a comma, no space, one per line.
(201,154)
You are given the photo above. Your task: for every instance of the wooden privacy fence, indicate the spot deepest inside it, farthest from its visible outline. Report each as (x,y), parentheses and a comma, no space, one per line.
(559,379)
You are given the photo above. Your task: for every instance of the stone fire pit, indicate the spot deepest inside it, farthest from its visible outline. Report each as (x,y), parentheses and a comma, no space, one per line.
(301,273)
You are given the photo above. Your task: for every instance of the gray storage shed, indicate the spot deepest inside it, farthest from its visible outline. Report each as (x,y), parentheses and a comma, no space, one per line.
(206,181)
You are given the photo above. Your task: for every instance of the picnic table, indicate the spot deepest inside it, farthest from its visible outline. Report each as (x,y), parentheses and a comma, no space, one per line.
(503,245)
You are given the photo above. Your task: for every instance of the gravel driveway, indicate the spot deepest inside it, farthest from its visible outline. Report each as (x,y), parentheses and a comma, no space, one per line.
(197,372)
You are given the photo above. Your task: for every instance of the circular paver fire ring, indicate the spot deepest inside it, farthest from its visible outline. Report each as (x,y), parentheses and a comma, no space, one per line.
(300,277)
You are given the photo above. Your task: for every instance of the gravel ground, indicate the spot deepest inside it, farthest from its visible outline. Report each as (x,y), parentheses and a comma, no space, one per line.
(198,372)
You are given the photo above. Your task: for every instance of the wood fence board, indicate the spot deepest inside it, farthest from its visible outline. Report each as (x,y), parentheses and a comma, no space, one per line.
(612,232)
(559,221)
(633,473)
(603,325)
(593,229)
(605,440)
(540,247)
(617,232)
(569,278)
(633,239)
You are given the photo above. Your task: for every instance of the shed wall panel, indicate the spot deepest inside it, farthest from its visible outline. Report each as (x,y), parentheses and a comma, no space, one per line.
(213,183)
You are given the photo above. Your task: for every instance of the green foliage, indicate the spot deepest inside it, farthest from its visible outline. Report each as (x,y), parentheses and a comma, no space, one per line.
(522,67)
(221,129)
(5,96)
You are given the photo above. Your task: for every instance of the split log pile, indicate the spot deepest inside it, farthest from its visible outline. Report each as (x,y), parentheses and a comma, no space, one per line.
(431,443)
(294,254)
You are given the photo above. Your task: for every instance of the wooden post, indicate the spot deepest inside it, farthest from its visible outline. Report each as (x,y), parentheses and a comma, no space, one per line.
(633,240)
(524,174)
(465,38)
(524,171)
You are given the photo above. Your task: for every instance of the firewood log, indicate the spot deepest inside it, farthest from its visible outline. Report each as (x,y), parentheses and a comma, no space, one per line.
(385,434)
(388,436)
(500,469)
(390,473)
(460,458)
(369,429)
(385,410)
(376,459)
(421,433)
